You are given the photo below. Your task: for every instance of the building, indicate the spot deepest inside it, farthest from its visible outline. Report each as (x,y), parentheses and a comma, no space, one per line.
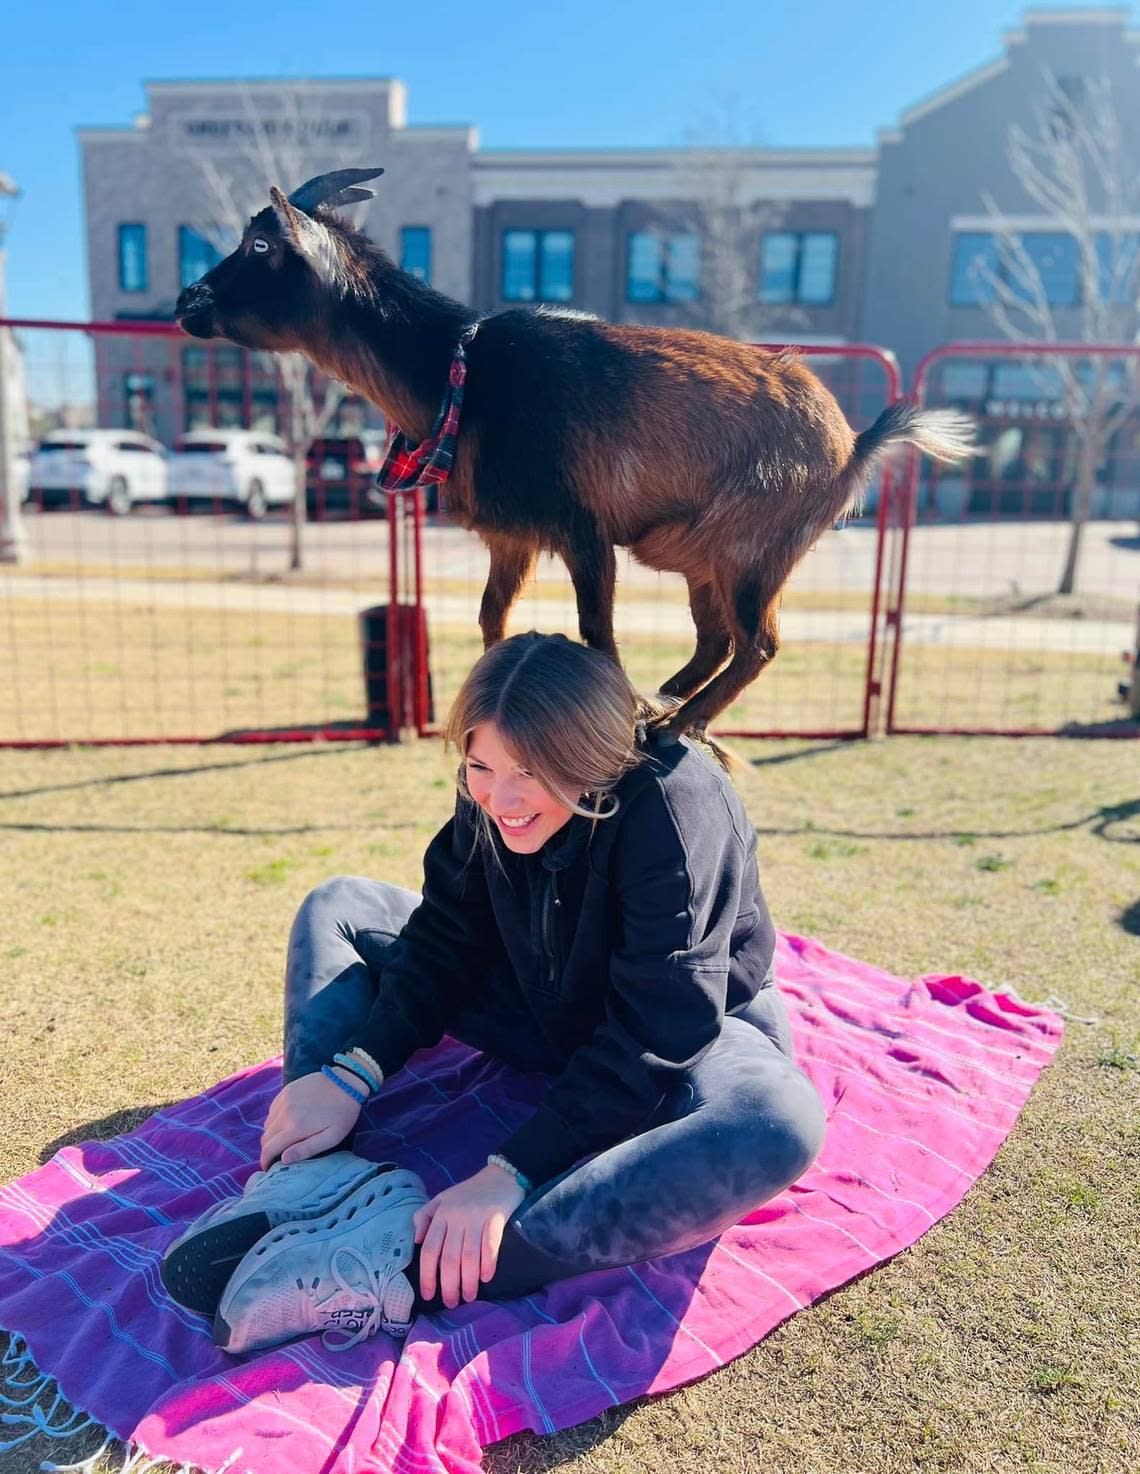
(831,246)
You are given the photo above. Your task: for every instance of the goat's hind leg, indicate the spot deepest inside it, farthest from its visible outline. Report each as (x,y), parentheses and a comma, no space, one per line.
(714,643)
(752,600)
(511,565)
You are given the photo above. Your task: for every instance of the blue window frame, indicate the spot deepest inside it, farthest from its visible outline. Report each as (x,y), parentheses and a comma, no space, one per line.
(663,268)
(980,263)
(538,265)
(132,257)
(799,266)
(196,255)
(1119,268)
(415,251)
(975,266)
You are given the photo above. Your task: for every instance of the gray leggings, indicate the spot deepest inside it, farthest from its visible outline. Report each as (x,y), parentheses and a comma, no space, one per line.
(735,1130)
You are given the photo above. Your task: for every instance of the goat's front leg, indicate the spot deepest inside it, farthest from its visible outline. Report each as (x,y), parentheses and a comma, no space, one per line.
(593,571)
(511,565)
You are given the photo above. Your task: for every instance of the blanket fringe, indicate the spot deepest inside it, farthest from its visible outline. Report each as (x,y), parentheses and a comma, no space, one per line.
(1054,1003)
(22,1385)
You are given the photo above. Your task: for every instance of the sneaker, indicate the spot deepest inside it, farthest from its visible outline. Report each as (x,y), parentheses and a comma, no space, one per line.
(198,1263)
(342,1274)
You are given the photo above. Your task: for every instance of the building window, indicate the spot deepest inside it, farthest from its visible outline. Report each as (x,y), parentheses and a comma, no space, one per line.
(196,255)
(415,251)
(799,266)
(1118,259)
(538,265)
(981,263)
(132,258)
(974,269)
(663,268)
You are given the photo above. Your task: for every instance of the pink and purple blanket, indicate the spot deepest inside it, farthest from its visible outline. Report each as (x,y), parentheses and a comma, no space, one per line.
(922,1081)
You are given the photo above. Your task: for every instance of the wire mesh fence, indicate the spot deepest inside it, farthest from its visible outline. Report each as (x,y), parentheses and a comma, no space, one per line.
(994,636)
(173,584)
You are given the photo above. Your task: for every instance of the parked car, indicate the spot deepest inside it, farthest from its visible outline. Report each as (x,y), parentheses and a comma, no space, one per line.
(342,471)
(242,468)
(97,468)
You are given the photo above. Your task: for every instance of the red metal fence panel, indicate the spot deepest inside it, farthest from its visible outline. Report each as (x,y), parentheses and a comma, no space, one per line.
(173,587)
(167,591)
(989,641)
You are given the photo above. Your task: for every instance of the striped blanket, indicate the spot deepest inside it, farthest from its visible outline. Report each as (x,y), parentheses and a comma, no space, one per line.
(922,1081)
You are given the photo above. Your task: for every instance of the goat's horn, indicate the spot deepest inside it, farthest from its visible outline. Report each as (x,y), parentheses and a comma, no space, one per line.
(336,188)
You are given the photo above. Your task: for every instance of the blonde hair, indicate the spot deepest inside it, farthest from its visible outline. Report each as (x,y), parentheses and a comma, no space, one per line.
(568,714)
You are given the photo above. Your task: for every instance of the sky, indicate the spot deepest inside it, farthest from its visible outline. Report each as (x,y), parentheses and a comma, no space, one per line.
(591,73)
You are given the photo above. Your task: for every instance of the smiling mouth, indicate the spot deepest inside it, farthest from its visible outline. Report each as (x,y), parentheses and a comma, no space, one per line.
(517,825)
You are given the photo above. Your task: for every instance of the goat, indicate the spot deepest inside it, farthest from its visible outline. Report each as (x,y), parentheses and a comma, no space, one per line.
(703,456)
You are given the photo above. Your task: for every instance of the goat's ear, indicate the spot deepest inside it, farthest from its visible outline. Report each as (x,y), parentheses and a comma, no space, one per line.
(288,218)
(309,238)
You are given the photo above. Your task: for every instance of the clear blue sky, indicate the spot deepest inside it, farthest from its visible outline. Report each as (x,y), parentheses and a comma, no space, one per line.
(591,73)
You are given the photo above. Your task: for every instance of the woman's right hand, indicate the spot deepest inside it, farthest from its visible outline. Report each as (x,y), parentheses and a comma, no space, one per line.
(309,1115)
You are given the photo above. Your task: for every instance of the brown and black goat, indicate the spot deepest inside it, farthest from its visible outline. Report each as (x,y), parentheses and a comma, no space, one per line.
(702,456)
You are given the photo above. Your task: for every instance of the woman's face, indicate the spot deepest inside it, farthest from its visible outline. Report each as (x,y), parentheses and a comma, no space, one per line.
(523,812)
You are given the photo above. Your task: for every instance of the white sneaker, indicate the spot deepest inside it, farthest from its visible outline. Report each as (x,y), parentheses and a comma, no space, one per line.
(198,1263)
(342,1274)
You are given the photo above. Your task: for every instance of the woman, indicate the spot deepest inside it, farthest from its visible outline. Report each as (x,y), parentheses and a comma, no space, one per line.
(591,910)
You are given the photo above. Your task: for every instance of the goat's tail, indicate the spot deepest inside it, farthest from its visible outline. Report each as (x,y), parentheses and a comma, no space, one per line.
(944,434)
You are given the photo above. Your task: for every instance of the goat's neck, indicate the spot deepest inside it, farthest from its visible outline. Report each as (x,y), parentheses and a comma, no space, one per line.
(398,355)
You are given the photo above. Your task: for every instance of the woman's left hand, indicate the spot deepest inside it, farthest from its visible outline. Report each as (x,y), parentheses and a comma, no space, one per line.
(461,1230)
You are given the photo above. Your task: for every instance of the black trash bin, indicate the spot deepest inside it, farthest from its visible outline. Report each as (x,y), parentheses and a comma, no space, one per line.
(376,627)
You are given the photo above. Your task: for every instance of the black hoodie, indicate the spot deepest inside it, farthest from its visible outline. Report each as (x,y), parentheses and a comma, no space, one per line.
(627,948)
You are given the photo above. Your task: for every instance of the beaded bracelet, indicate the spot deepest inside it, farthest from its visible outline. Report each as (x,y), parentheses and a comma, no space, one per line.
(358,1095)
(362,1072)
(366,1059)
(495,1160)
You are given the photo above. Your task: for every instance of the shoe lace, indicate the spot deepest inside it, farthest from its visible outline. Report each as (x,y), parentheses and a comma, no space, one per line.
(376,1283)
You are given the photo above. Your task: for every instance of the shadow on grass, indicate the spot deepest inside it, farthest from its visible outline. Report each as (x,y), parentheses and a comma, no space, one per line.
(1129,919)
(111,780)
(778,758)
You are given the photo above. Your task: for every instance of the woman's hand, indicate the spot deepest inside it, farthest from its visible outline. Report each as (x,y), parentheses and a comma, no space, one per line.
(461,1231)
(308,1116)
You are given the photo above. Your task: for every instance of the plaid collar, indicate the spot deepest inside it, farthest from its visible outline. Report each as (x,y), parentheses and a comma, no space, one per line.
(409,465)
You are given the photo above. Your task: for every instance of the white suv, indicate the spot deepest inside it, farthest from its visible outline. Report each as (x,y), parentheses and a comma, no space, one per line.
(238,466)
(101,468)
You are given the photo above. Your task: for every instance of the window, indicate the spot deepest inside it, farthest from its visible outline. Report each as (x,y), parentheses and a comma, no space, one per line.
(980,262)
(663,268)
(538,265)
(415,251)
(132,258)
(1118,257)
(799,266)
(975,264)
(1058,264)
(196,255)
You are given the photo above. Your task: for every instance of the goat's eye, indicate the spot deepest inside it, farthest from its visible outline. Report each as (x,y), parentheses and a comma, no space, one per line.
(260,246)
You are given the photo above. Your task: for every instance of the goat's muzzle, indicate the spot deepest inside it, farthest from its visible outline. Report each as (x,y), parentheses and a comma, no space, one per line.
(194,310)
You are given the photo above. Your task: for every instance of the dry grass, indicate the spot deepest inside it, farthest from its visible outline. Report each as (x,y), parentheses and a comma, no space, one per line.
(146,897)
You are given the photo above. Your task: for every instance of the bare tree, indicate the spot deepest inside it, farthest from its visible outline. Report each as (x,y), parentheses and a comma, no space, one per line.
(717,188)
(283,147)
(1075,166)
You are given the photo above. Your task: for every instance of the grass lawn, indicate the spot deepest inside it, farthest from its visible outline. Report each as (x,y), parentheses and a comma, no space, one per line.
(128,668)
(146,896)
